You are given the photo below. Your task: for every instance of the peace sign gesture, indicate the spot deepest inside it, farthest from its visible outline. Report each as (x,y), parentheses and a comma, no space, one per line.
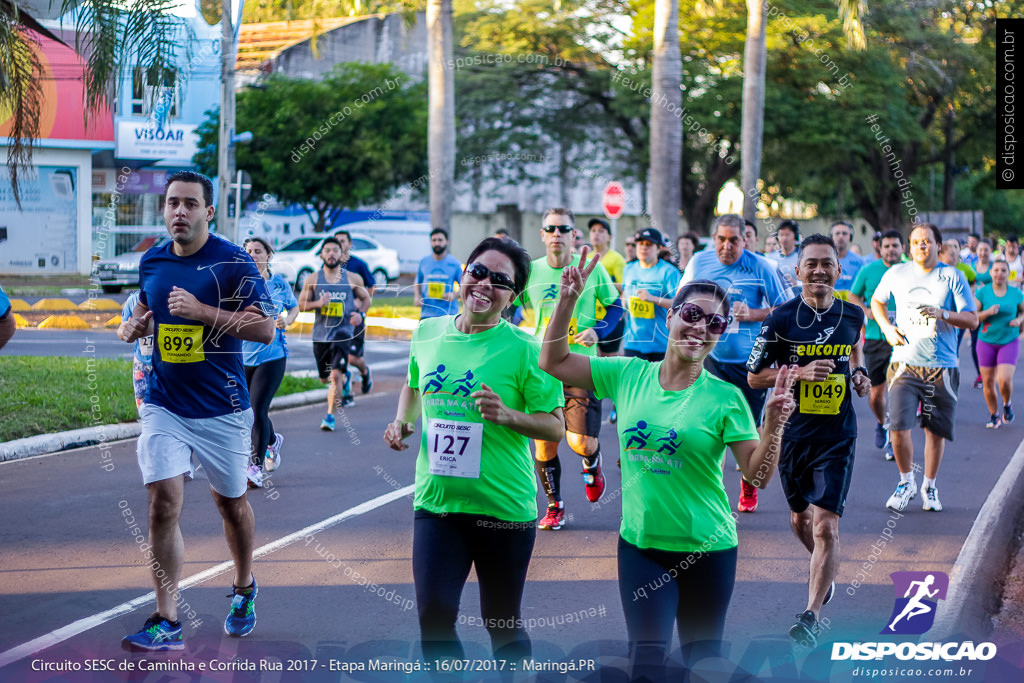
(575,277)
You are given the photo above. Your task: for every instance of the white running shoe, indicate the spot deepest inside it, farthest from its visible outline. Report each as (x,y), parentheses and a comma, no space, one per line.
(255,475)
(901,497)
(931,499)
(272,460)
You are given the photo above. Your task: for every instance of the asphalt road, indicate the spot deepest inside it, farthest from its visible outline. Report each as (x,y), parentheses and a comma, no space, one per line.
(341,592)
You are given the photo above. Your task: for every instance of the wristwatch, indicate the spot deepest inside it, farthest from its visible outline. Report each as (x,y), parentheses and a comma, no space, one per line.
(945,314)
(861,369)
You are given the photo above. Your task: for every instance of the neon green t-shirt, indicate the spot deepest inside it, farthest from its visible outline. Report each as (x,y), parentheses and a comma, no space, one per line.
(673,449)
(542,294)
(465,463)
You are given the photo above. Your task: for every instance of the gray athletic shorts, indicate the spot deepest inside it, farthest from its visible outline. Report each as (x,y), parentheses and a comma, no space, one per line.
(933,389)
(221,445)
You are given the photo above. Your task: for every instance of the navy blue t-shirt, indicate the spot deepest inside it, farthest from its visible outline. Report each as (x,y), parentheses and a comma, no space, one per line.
(796,334)
(197,370)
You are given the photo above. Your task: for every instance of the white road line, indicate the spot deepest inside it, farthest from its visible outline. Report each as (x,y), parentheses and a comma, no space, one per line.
(82,625)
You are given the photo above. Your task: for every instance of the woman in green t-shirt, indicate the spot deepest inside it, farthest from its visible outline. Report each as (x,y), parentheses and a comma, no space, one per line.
(1000,312)
(677,541)
(477,382)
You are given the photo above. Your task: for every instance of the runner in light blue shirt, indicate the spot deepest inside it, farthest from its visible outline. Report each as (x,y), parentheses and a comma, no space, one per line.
(851,263)
(649,284)
(436,278)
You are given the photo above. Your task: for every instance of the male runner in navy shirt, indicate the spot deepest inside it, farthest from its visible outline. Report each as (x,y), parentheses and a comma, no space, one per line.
(200,295)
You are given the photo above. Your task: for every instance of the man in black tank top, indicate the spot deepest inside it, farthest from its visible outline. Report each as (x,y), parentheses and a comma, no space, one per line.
(820,334)
(339,302)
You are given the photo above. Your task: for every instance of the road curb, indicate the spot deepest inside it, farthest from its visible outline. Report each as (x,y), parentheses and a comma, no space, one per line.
(975,581)
(46,444)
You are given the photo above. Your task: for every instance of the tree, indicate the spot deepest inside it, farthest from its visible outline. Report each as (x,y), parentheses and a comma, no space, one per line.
(343,142)
(666,127)
(112,36)
(441,124)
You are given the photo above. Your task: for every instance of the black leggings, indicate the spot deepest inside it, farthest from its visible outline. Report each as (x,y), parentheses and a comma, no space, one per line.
(444,548)
(264,381)
(658,587)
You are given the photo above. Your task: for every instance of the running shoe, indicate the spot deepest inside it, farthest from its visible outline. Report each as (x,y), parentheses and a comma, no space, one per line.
(889,454)
(593,482)
(977,382)
(367,382)
(614,417)
(346,388)
(1007,414)
(255,474)
(328,424)
(158,634)
(242,615)
(554,519)
(901,497)
(993,423)
(931,499)
(831,593)
(348,400)
(273,458)
(805,630)
(881,436)
(748,497)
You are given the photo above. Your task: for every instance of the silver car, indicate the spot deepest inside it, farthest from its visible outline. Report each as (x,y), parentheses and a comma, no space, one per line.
(123,271)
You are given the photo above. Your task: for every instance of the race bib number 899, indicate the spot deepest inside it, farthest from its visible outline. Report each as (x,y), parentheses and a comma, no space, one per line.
(453,448)
(180,343)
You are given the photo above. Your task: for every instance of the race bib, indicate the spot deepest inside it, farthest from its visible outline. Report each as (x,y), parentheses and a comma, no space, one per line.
(638,308)
(180,343)
(823,398)
(335,309)
(921,326)
(734,325)
(435,290)
(453,448)
(572,327)
(146,346)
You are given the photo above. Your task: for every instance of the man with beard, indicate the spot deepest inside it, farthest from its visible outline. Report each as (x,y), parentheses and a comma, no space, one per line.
(340,301)
(436,278)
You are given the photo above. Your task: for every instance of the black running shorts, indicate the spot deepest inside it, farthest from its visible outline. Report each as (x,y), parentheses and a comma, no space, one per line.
(332,355)
(582,412)
(816,473)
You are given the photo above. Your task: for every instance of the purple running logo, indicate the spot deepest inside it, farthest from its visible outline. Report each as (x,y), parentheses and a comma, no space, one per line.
(917,594)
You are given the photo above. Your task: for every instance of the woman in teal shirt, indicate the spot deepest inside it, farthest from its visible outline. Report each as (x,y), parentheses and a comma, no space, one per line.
(677,539)
(1000,312)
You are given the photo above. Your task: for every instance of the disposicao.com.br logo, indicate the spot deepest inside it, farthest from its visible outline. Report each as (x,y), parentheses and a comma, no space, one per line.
(917,596)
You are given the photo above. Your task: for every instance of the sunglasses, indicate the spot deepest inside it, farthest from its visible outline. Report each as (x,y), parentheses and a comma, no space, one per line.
(564,229)
(692,313)
(479,271)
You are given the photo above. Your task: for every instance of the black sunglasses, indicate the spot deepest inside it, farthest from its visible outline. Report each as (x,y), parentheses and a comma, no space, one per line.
(479,271)
(564,229)
(692,313)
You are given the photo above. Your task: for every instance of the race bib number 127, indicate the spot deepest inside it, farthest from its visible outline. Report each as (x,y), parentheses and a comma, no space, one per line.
(454,447)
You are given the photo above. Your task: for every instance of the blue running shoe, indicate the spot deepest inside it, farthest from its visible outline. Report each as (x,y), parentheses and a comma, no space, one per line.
(242,617)
(881,437)
(328,424)
(157,635)
(1007,414)
(367,382)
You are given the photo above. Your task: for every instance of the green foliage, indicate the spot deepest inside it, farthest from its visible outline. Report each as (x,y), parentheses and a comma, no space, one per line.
(343,142)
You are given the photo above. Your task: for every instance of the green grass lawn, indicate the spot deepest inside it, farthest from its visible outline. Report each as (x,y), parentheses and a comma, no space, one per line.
(50,394)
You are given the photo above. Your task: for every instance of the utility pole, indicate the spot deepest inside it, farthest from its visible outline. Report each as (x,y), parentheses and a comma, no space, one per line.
(225,148)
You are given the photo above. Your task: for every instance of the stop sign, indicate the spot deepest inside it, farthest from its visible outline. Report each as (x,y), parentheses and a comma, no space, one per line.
(614,200)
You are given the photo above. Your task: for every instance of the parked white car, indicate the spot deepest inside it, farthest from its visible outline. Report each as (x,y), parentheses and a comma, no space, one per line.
(299,258)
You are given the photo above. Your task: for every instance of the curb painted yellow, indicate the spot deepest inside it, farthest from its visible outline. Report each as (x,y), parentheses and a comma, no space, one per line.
(64,322)
(20,305)
(299,328)
(99,305)
(19,321)
(54,305)
(114,322)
